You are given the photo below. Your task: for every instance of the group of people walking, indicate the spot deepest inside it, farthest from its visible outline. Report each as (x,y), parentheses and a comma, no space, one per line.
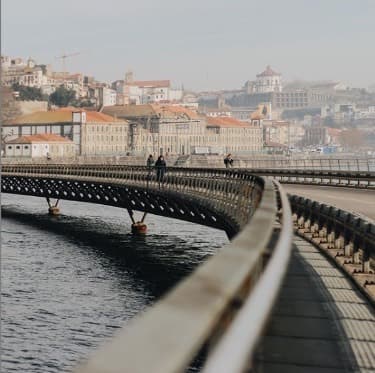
(161,166)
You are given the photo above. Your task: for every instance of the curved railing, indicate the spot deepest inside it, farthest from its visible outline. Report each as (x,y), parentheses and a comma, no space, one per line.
(233,292)
(229,296)
(319,163)
(348,179)
(345,236)
(233,194)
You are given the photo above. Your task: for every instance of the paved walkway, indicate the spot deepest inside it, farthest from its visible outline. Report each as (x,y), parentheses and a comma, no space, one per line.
(360,201)
(321,322)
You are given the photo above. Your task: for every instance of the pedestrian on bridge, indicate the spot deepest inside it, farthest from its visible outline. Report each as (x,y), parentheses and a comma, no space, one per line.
(228,161)
(150,161)
(161,168)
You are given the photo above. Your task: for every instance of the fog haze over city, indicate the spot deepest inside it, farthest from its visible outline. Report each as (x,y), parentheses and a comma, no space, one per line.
(202,45)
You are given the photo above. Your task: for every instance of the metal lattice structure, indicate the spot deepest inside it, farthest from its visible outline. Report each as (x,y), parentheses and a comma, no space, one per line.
(247,207)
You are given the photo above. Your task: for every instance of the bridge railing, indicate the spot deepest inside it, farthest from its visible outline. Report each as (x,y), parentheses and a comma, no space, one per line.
(349,179)
(232,292)
(234,192)
(228,297)
(319,163)
(347,237)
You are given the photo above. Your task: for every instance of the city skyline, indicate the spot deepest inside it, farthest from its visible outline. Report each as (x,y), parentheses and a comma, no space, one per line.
(208,46)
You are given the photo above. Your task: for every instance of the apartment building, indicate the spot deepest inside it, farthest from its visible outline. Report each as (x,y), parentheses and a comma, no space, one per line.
(92,133)
(233,136)
(160,129)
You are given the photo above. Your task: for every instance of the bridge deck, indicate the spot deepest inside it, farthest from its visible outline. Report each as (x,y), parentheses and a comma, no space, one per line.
(321,322)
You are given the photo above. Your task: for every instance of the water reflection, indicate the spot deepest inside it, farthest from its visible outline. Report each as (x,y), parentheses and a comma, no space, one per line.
(68,282)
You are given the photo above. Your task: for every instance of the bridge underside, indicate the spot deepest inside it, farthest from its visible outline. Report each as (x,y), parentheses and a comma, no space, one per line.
(155,201)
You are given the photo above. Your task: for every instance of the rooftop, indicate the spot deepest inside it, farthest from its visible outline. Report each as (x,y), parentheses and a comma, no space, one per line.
(225,122)
(149,110)
(268,72)
(40,138)
(63,115)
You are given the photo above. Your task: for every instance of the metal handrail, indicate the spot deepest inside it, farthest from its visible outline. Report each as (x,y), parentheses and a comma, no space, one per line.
(238,344)
(338,178)
(223,189)
(167,337)
(348,179)
(333,163)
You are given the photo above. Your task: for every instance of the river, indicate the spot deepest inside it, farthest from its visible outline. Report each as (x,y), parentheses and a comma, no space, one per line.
(68,282)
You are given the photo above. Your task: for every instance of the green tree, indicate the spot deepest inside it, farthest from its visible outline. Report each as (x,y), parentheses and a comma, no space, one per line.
(63,97)
(26,93)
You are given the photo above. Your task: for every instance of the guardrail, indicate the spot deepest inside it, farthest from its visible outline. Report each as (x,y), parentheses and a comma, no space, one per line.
(252,162)
(196,313)
(234,193)
(348,179)
(320,163)
(228,297)
(346,237)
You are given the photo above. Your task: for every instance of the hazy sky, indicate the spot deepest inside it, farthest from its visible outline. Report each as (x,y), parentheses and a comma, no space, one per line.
(203,44)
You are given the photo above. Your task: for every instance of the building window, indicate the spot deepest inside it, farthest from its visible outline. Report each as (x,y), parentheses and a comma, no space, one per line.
(9,147)
(26,147)
(18,147)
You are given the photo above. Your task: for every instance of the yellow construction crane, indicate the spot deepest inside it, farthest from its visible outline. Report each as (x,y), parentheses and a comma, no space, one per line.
(63,57)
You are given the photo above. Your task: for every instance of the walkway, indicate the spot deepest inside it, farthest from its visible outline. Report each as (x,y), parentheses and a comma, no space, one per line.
(360,201)
(321,322)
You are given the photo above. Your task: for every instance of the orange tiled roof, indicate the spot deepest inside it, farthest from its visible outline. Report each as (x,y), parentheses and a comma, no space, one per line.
(173,110)
(225,122)
(130,111)
(43,117)
(149,110)
(42,137)
(62,115)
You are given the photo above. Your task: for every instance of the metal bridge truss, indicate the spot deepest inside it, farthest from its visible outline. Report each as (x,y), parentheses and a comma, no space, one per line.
(221,309)
(201,307)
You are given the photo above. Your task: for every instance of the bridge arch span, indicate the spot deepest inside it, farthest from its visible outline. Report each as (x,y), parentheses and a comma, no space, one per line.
(202,200)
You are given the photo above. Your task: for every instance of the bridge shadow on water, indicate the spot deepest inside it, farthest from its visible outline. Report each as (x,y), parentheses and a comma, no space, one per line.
(157,261)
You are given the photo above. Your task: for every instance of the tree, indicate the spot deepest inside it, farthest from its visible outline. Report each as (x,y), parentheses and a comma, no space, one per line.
(63,97)
(26,93)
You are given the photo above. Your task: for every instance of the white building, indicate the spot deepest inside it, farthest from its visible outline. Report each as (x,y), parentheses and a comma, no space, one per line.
(39,146)
(130,91)
(266,82)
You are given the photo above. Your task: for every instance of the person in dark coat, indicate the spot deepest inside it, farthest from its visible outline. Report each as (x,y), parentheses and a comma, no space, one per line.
(161,168)
(228,161)
(150,161)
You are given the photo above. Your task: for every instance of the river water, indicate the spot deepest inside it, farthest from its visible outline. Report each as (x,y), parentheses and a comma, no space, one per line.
(68,282)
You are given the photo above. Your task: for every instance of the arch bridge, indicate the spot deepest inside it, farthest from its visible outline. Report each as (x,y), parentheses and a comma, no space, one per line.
(222,310)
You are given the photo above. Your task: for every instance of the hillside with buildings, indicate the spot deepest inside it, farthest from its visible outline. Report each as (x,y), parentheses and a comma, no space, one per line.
(140,117)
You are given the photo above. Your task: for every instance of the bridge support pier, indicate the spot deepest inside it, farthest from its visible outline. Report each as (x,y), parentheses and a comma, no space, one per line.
(138,227)
(52,208)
